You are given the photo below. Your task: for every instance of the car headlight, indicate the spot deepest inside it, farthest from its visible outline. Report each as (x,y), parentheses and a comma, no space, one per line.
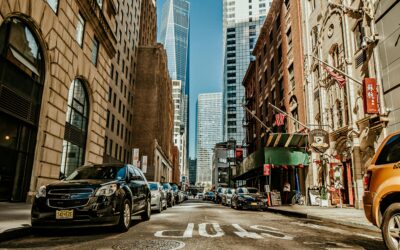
(107,190)
(41,192)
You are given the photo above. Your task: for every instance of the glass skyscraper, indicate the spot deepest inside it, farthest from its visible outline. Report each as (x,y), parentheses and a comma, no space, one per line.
(209,132)
(242,21)
(174,34)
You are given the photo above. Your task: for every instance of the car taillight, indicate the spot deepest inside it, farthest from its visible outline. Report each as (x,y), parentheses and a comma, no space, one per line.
(367,179)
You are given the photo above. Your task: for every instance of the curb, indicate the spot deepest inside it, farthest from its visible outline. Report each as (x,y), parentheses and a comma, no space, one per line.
(13,233)
(338,222)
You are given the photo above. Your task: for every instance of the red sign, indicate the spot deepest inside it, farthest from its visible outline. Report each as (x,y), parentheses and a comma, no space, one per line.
(239,154)
(267,169)
(370,96)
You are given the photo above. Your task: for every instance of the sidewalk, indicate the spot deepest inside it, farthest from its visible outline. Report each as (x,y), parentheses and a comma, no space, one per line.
(15,219)
(342,216)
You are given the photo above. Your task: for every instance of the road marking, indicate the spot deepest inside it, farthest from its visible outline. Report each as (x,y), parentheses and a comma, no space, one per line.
(217,228)
(187,234)
(272,232)
(334,230)
(245,234)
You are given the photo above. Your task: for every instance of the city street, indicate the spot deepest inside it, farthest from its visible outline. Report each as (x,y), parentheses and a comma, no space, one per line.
(205,225)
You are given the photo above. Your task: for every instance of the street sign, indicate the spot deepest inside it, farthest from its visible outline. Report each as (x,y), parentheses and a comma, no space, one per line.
(267,169)
(319,140)
(135,156)
(370,96)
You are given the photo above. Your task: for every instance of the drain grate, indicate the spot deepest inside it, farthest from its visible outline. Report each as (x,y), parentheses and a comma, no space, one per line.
(150,244)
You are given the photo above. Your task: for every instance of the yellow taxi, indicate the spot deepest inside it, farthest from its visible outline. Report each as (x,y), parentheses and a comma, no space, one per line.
(382,190)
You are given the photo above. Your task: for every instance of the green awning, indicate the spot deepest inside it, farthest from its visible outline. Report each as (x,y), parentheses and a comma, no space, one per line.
(286,156)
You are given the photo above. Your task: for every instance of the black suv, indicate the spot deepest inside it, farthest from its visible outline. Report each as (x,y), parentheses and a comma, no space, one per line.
(106,194)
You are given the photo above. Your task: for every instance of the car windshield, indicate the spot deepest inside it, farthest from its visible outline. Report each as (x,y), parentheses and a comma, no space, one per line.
(175,188)
(247,191)
(210,193)
(230,191)
(153,186)
(98,173)
(165,186)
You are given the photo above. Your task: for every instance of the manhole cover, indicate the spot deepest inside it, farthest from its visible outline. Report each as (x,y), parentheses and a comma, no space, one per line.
(150,244)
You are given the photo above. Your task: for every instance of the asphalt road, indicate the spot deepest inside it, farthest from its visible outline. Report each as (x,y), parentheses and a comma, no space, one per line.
(204,225)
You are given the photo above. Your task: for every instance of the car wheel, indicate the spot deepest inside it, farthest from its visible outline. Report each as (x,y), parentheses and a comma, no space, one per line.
(391,226)
(147,213)
(124,216)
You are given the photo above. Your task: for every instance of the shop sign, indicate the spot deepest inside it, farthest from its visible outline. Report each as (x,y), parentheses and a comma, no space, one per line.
(319,140)
(370,96)
(135,157)
(267,169)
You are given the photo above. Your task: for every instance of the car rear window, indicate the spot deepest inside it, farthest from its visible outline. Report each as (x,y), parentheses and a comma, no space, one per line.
(390,152)
(153,186)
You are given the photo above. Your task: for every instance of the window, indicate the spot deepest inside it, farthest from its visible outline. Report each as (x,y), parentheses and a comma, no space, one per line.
(231,116)
(80,29)
(358,36)
(74,143)
(53,5)
(231,95)
(95,51)
(108,119)
(390,152)
(231,55)
(231,130)
(231,81)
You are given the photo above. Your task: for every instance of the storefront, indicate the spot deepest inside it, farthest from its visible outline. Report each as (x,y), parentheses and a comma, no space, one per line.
(288,159)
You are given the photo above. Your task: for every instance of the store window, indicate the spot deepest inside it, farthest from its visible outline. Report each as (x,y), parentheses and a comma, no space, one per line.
(75,135)
(21,87)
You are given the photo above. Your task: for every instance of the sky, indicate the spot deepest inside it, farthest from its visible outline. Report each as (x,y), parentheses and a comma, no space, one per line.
(205,54)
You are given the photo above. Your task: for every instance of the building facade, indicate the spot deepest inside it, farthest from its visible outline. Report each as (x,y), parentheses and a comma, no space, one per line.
(179,129)
(192,171)
(148,23)
(209,132)
(119,124)
(338,36)
(220,165)
(153,131)
(174,34)
(54,119)
(242,21)
(275,80)
(389,58)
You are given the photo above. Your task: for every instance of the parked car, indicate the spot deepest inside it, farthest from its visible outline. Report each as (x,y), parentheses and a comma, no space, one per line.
(248,198)
(200,196)
(170,194)
(158,197)
(209,196)
(382,190)
(175,190)
(106,194)
(227,196)
(218,194)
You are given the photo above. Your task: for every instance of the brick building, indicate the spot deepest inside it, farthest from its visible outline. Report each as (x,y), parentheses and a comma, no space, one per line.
(276,77)
(54,119)
(119,125)
(148,23)
(153,129)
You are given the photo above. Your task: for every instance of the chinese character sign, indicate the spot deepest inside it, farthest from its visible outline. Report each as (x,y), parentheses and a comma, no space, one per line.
(370,96)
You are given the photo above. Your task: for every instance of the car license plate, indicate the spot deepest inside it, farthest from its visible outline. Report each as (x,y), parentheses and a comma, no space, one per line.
(254,203)
(64,214)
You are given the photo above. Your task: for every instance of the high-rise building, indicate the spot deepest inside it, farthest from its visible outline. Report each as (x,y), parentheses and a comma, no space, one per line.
(174,34)
(242,21)
(192,171)
(179,131)
(119,125)
(209,132)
